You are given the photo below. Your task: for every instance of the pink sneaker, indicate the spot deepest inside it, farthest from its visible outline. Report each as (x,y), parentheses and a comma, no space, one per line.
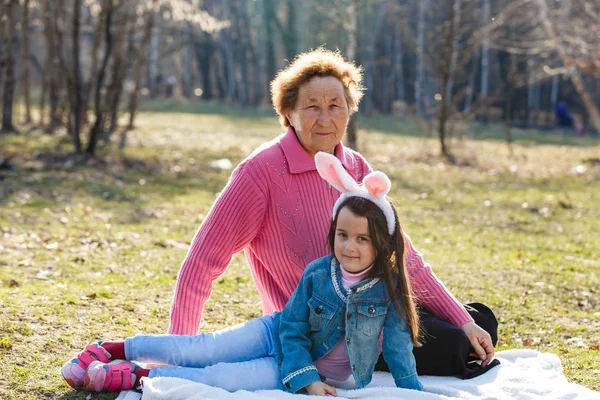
(115,376)
(74,370)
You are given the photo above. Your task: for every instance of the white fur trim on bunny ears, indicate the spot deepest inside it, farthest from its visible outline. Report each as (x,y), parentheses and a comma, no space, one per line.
(375,186)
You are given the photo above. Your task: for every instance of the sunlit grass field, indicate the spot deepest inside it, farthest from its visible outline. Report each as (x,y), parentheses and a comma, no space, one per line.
(91,250)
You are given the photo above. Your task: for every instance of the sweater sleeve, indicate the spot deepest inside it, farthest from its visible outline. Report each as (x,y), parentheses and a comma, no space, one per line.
(234,220)
(430,292)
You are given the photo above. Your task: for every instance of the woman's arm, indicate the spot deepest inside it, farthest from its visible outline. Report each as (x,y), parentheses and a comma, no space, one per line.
(233,221)
(436,298)
(430,292)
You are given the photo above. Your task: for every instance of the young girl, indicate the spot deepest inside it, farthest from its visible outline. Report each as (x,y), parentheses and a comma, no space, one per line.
(348,307)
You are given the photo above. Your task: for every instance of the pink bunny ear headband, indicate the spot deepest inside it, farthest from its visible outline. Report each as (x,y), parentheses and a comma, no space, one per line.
(374,186)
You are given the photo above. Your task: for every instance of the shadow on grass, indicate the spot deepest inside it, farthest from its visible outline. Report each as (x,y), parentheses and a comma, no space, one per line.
(82,395)
(46,179)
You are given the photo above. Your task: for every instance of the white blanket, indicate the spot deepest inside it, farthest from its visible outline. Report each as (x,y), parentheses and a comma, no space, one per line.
(523,374)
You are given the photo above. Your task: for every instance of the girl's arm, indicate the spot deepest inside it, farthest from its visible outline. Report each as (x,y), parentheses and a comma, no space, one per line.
(298,369)
(397,351)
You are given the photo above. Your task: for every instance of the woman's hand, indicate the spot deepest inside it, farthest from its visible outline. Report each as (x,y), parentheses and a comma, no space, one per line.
(321,389)
(481,342)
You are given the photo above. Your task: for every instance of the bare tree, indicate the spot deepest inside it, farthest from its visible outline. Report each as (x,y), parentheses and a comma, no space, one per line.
(447,43)
(577,44)
(26,89)
(140,62)
(349,21)
(51,86)
(573,62)
(485,57)
(93,65)
(76,89)
(8,33)
(121,62)
(375,23)
(98,127)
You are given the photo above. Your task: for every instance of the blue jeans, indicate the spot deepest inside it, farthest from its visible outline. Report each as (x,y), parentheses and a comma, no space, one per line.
(237,358)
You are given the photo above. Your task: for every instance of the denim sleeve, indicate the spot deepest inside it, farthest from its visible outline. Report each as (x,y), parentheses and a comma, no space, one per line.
(297,369)
(397,351)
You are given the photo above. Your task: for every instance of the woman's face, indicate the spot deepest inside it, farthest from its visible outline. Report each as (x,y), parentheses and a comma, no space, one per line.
(321,114)
(353,246)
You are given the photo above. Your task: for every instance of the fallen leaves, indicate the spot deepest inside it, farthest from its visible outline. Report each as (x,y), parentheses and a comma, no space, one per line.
(527,342)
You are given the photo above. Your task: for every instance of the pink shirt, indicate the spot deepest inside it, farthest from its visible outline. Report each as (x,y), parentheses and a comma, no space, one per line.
(277,209)
(336,364)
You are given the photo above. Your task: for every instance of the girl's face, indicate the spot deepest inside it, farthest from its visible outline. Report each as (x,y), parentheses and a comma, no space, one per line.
(353,246)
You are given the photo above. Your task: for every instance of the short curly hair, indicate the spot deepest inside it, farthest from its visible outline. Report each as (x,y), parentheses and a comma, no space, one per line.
(319,62)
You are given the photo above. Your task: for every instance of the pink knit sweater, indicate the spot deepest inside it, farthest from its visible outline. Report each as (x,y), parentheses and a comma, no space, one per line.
(277,209)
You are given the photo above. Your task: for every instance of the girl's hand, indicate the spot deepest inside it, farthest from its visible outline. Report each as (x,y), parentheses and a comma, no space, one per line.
(321,389)
(481,342)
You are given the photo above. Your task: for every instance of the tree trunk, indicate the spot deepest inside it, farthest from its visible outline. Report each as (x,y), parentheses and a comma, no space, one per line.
(442,119)
(204,51)
(228,52)
(471,84)
(485,56)
(154,75)
(77,96)
(554,91)
(9,66)
(351,27)
(25,62)
(44,91)
(532,92)
(302,18)
(399,66)
(370,57)
(258,54)
(120,65)
(51,71)
(140,62)
(227,47)
(510,90)
(445,70)
(93,68)
(269,12)
(419,81)
(2,22)
(455,46)
(508,68)
(187,61)
(291,36)
(98,127)
(243,48)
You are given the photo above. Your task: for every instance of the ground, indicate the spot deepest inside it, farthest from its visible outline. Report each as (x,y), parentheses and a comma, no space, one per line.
(91,249)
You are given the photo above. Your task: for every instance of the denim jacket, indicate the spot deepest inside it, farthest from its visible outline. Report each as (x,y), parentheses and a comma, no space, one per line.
(358,316)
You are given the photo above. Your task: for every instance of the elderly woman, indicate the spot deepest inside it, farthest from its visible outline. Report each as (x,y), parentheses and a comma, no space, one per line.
(277,209)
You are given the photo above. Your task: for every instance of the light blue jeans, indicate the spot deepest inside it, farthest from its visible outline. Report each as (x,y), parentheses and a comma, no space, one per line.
(237,358)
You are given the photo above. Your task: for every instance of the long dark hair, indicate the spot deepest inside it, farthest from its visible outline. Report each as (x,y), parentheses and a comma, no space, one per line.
(389,261)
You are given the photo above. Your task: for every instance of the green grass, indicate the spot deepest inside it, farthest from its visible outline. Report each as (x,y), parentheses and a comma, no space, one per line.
(91,250)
